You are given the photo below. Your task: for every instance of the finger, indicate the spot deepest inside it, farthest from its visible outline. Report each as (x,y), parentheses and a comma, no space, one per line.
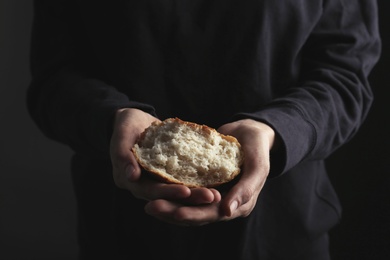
(164,211)
(149,189)
(201,214)
(124,136)
(124,165)
(167,191)
(178,214)
(200,196)
(241,199)
(244,194)
(217,195)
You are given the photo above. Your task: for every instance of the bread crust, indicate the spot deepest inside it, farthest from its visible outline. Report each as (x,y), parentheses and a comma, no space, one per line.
(209,179)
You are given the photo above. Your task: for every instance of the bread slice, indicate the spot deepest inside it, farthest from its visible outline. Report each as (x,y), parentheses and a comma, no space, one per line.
(187,153)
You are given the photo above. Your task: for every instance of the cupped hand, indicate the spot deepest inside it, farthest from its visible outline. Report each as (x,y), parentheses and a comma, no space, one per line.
(256,139)
(129,123)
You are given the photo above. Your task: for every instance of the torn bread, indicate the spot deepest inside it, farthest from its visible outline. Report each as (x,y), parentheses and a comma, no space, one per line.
(187,153)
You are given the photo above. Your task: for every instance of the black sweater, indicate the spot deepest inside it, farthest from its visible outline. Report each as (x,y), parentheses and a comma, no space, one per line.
(301,66)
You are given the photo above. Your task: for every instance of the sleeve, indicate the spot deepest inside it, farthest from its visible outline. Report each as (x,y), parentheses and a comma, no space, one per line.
(66,98)
(327,106)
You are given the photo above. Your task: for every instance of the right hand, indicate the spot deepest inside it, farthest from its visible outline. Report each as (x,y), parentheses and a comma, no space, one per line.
(129,123)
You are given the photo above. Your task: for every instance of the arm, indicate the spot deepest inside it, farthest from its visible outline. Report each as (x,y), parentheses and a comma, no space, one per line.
(71,104)
(320,113)
(67,98)
(327,106)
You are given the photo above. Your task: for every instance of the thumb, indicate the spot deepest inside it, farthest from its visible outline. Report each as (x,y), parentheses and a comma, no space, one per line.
(125,167)
(128,125)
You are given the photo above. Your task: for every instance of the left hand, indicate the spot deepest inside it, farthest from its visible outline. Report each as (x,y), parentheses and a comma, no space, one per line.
(129,123)
(256,139)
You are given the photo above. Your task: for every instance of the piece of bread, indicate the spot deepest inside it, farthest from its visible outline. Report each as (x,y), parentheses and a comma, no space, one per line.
(187,153)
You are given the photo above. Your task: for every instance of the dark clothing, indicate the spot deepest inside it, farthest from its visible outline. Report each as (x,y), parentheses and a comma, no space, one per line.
(301,66)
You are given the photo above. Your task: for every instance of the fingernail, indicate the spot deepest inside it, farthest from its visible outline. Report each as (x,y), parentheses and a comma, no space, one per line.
(233,207)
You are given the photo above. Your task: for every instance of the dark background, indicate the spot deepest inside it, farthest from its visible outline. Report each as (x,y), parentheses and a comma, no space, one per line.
(37,204)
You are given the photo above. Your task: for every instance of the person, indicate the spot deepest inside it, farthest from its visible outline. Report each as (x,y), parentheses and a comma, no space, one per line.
(288,79)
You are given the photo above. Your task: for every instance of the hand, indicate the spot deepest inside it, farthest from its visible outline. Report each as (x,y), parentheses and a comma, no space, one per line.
(256,139)
(128,125)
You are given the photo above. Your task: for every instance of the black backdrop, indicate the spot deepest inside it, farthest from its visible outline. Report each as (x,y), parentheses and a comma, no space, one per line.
(37,205)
